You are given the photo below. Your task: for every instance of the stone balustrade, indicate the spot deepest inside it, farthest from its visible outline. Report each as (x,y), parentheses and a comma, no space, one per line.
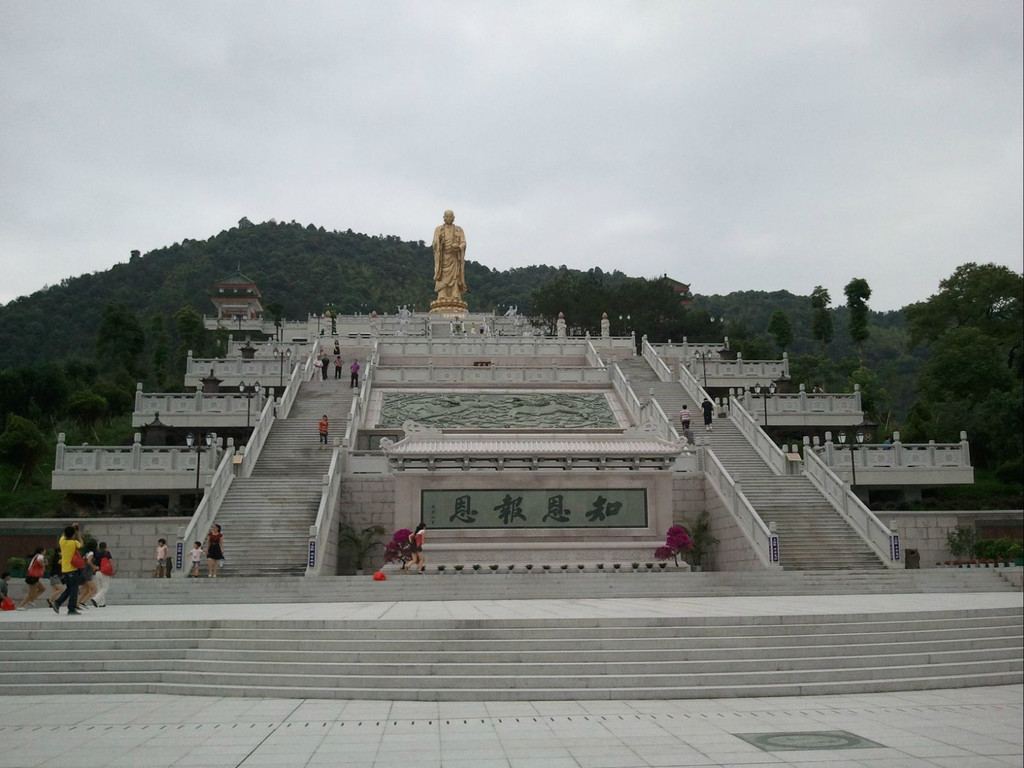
(676,351)
(134,467)
(803,409)
(233,371)
(196,410)
(490,374)
(897,463)
(715,372)
(494,347)
(264,349)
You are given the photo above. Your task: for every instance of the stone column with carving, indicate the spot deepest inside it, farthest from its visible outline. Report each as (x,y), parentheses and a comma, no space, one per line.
(560,326)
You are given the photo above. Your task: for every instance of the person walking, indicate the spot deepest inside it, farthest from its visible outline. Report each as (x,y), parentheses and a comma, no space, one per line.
(338,362)
(70,560)
(34,578)
(323,427)
(685,418)
(104,571)
(354,368)
(214,550)
(709,414)
(325,363)
(416,547)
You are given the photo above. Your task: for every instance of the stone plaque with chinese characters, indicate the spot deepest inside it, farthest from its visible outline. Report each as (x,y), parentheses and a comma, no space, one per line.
(469,509)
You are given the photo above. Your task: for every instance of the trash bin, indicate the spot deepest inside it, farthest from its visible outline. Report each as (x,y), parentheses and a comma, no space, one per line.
(912,558)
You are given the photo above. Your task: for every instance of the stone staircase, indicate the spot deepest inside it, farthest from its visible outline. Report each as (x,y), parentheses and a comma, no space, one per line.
(526,659)
(812,535)
(519,584)
(265,518)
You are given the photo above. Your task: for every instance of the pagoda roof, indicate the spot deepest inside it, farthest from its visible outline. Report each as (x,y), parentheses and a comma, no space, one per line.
(236,279)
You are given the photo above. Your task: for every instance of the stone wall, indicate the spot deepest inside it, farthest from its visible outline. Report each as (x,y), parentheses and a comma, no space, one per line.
(926,531)
(733,552)
(367,500)
(131,540)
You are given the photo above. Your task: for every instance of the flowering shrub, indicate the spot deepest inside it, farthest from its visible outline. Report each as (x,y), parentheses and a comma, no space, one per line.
(677,542)
(399,549)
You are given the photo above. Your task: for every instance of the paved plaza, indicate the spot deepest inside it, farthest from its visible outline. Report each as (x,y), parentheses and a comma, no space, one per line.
(961,728)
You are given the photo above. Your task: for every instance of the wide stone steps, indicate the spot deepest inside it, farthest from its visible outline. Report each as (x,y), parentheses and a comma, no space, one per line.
(521,659)
(519,585)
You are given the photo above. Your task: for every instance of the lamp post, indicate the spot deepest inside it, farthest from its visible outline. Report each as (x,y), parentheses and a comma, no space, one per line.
(281,355)
(703,356)
(249,393)
(853,446)
(764,393)
(199,449)
(318,319)
(625,321)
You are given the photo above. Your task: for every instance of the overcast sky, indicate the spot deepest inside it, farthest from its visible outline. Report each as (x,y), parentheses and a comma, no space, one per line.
(753,145)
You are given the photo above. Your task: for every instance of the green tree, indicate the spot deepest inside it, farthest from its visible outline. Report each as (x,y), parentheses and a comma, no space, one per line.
(781,329)
(191,330)
(159,350)
(857,294)
(87,407)
(821,317)
(275,313)
(22,444)
(119,339)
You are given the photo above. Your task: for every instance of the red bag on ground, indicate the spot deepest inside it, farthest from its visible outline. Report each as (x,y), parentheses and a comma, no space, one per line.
(380,576)
(7,604)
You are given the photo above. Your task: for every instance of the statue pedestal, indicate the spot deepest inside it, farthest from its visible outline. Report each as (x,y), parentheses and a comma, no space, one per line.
(449,308)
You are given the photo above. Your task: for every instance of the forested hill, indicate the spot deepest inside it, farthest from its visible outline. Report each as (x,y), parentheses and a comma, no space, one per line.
(304,268)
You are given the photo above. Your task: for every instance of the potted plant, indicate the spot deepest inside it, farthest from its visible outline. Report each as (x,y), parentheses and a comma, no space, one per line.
(399,549)
(493,568)
(440,568)
(580,566)
(458,568)
(961,542)
(703,541)
(360,543)
(565,566)
(616,566)
(636,566)
(546,567)
(600,566)
(529,566)
(649,566)
(476,566)
(511,567)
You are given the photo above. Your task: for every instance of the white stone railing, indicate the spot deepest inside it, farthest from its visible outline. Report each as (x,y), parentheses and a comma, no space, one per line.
(649,354)
(766,449)
(763,542)
(132,458)
(483,347)
(361,401)
(691,386)
(299,374)
(492,374)
(883,541)
(257,438)
(322,549)
(763,371)
(638,412)
(197,406)
(593,358)
(686,350)
(896,455)
(804,404)
(269,371)
(264,349)
(206,512)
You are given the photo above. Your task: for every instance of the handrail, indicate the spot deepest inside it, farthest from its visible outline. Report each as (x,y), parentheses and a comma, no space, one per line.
(883,541)
(764,543)
(636,409)
(766,449)
(593,357)
(361,400)
(322,551)
(207,510)
(653,359)
(257,438)
(693,389)
(299,374)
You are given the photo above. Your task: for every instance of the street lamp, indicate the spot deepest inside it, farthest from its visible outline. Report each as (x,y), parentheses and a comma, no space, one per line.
(318,319)
(199,449)
(281,355)
(853,466)
(764,393)
(703,356)
(249,393)
(624,321)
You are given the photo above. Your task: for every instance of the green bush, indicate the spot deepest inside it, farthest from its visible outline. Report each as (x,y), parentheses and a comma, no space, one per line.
(1010,472)
(961,542)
